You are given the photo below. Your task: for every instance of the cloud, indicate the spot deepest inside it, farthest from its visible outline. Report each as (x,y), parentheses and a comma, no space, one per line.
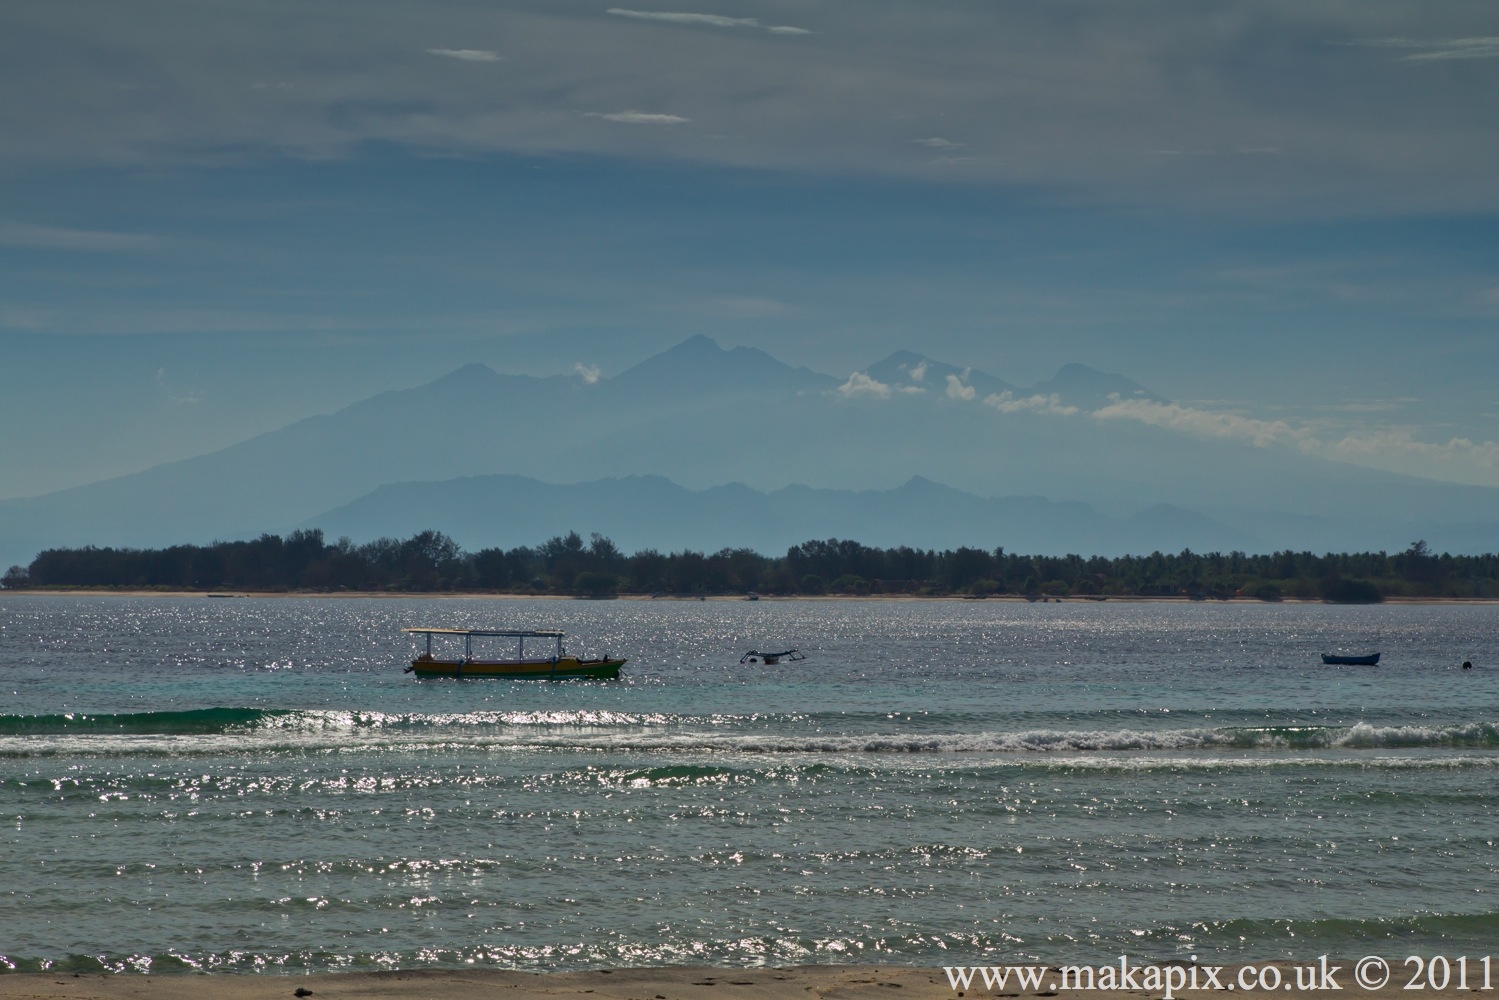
(957,390)
(954,161)
(1206,423)
(919,371)
(1395,449)
(638,118)
(590,373)
(28,237)
(1429,50)
(191,397)
(468,55)
(1008,402)
(715,20)
(1459,458)
(860,385)
(880,84)
(711,20)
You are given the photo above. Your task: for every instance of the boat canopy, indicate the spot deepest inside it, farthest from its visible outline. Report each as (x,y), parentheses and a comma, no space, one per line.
(549,633)
(467,635)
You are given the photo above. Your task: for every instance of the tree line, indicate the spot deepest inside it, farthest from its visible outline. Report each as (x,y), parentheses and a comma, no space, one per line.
(431,562)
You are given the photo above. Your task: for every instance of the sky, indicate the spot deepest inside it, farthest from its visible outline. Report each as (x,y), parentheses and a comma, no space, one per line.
(220,217)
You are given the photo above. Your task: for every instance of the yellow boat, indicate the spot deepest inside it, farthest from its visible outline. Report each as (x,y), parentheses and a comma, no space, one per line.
(557,666)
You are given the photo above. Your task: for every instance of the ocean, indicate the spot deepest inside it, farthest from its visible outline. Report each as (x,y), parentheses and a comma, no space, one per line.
(255,785)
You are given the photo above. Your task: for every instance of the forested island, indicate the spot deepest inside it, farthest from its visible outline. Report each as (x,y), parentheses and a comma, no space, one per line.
(431,562)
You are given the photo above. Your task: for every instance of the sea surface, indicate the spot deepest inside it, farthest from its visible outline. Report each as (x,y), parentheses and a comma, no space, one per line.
(254,784)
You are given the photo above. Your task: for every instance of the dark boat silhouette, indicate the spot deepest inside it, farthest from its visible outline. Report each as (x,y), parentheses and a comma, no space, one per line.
(1368,660)
(771,659)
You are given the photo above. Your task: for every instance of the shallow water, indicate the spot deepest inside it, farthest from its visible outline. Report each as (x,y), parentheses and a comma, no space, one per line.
(192,783)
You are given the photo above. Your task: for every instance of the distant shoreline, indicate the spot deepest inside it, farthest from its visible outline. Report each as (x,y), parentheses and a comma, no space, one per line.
(431,563)
(470,595)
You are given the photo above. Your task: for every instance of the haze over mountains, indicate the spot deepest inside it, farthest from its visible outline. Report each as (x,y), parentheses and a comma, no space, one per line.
(704,447)
(640,512)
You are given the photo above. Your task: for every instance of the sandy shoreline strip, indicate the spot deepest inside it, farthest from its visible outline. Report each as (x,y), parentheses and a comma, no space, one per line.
(471,595)
(679,983)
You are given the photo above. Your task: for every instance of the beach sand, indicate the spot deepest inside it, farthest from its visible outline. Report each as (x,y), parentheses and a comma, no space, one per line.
(679,983)
(481,595)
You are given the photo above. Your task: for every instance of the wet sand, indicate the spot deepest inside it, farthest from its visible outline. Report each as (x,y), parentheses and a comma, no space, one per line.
(472,595)
(679,983)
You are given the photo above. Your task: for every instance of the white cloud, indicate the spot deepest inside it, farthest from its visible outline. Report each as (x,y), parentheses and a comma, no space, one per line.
(711,20)
(638,118)
(860,385)
(919,372)
(1395,449)
(28,237)
(189,398)
(1008,402)
(715,20)
(1206,423)
(879,85)
(590,373)
(955,161)
(1489,49)
(957,390)
(1428,50)
(1460,458)
(468,55)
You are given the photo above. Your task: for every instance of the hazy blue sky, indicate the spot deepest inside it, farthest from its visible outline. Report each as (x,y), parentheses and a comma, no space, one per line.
(217,217)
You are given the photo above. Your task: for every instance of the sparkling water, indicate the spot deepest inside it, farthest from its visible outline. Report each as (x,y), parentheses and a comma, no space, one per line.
(193,783)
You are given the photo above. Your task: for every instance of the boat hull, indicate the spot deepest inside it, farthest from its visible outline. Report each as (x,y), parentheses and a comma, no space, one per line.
(539,670)
(1351,661)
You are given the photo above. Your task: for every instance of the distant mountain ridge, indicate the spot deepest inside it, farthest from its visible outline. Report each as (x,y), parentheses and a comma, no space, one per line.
(698,365)
(640,512)
(1079,385)
(1074,385)
(907,370)
(700,416)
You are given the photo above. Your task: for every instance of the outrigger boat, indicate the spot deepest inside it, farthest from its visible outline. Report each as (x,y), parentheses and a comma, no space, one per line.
(771,659)
(522,667)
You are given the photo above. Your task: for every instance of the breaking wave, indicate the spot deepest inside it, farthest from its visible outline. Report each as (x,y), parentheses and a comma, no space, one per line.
(243,728)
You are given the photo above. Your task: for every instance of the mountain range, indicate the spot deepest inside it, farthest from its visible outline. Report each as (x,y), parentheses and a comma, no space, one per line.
(746,450)
(640,512)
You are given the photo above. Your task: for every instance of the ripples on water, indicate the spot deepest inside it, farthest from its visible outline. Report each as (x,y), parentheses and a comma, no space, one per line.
(254,784)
